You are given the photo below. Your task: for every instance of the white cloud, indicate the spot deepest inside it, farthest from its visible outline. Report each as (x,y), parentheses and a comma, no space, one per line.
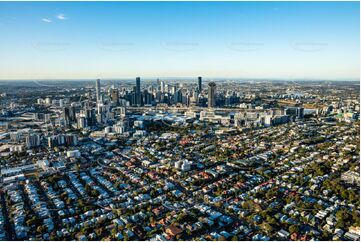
(61,16)
(46,20)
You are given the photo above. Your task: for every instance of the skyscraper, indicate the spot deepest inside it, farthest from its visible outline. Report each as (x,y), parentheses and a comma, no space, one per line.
(66,115)
(162,86)
(72,113)
(138,97)
(97,89)
(200,84)
(211,94)
(115,96)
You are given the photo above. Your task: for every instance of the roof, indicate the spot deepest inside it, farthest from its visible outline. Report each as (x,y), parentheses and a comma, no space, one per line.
(173,230)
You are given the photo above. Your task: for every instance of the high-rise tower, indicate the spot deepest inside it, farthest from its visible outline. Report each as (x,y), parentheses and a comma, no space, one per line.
(97,90)
(211,94)
(138,97)
(200,84)
(115,96)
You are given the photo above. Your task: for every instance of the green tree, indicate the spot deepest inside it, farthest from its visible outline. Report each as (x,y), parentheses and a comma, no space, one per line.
(293,229)
(234,238)
(40,229)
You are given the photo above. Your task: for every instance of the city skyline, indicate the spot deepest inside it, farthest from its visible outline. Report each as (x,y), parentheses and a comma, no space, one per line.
(273,40)
(134,161)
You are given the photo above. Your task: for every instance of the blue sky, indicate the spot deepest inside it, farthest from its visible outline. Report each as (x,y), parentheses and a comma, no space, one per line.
(286,40)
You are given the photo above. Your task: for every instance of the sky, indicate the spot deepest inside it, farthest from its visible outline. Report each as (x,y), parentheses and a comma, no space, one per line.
(266,40)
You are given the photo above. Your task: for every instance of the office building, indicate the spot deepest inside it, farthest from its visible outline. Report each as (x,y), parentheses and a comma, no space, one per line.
(61,139)
(32,140)
(15,136)
(200,84)
(115,96)
(48,100)
(211,94)
(97,90)
(66,115)
(138,97)
(81,122)
(162,87)
(72,113)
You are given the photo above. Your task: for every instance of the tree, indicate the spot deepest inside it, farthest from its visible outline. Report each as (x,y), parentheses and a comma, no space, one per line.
(40,229)
(222,238)
(343,218)
(52,237)
(114,232)
(99,231)
(128,226)
(126,238)
(356,218)
(293,229)
(268,227)
(234,238)
(33,221)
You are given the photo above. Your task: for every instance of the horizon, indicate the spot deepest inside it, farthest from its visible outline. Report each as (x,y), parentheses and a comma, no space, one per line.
(184,78)
(230,40)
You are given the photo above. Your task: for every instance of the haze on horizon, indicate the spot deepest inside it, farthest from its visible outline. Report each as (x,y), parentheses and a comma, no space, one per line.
(87,40)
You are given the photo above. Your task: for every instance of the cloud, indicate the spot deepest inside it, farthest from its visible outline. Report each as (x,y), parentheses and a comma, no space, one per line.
(61,16)
(46,20)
